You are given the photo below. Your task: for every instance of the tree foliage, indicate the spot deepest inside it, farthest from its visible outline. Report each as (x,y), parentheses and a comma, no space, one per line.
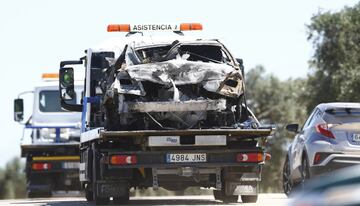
(12,180)
(335,64)
(275,102)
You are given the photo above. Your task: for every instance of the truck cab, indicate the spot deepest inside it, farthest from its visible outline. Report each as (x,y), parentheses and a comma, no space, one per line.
(51,139)
(165,111)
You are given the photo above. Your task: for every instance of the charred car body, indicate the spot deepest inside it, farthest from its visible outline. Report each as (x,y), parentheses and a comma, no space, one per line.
(167,112)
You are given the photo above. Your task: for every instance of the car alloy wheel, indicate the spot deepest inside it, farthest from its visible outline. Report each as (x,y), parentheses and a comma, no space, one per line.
(287,183)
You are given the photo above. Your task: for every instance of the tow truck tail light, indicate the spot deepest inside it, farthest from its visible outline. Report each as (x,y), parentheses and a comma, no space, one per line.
(324,130)
(250,157)
(123,159)
(190,27)
(118,28)
(41,166)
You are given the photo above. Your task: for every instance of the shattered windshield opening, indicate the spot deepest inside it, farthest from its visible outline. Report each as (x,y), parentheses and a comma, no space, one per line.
(190,52)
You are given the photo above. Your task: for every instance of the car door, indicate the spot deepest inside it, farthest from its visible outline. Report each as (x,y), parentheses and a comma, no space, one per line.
(299,141)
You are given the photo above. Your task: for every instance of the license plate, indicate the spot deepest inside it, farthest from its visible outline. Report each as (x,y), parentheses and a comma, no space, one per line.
(70,165)
(176,158)
(356,137)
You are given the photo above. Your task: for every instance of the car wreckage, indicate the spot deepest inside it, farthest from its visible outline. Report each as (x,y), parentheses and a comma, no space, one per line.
(183,85)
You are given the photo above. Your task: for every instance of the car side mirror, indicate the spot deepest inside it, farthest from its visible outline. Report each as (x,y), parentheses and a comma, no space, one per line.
(292,128)
(241,64)
(67,90)
(18,110)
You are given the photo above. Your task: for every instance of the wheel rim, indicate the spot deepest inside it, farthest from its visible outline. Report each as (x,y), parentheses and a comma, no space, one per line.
(287,185)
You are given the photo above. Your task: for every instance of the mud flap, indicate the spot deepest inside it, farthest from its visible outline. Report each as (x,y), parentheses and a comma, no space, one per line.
(241,188)
(112,189)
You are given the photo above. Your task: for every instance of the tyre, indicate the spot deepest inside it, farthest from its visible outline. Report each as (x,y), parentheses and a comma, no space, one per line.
(287,182)
(249,198)
(38,194)
(230,198)
(305,171)
(95,173)
(121,200)
(217,194)
(89,195)
(220,195)
(124,197)
(102,200)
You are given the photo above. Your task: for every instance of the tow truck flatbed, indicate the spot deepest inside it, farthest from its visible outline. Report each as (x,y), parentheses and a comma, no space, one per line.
(241,133)
(49,148)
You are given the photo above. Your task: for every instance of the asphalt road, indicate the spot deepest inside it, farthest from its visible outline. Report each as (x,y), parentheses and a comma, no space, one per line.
(264,199)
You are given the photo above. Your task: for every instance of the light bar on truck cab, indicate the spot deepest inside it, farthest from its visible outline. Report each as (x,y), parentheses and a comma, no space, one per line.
(50,76)
(153,27)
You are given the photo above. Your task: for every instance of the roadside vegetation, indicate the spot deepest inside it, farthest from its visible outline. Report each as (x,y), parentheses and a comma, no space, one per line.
(333,76)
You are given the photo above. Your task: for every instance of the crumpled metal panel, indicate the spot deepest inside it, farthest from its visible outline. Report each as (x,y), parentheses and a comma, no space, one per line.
(182,72)
(179,106)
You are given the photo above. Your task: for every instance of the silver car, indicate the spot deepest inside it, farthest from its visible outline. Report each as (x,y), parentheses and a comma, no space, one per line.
(329,140)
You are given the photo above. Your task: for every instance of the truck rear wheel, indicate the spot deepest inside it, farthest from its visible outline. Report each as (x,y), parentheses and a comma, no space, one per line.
(230,198)
(38,194)
(121,200)
(102,200)
(220,195)
(89,194)
(249,198)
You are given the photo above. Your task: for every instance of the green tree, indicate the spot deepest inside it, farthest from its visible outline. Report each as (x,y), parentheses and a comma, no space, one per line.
(275,102)
(12,180)
(335,65)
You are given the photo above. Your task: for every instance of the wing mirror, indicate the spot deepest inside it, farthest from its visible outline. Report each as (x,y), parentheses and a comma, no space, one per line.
(18,110)
(67,90)
(292,128)
(241,64)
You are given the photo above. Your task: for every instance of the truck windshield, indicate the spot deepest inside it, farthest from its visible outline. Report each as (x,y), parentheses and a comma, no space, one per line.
(49,101)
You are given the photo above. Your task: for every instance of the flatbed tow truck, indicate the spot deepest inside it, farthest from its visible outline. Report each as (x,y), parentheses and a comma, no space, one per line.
(52,147)
(165,112)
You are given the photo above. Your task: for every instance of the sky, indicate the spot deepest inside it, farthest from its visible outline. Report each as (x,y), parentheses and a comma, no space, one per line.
(37,34)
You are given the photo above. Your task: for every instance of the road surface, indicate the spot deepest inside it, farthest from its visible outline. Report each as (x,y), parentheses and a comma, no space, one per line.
(264,199)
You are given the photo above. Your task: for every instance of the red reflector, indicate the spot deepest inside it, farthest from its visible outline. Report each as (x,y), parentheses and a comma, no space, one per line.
(324,130)
(123,159)
(249,157)
(41,166)
(317,158)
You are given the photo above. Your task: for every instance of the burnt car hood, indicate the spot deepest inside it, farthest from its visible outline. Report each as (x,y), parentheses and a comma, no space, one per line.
(182,72)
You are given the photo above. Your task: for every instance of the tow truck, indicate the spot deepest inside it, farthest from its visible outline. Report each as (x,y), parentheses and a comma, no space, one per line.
(50,140)
(165,111)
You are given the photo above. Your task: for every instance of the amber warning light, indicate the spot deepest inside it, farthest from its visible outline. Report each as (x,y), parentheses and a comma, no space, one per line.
(153,27)
(50,76)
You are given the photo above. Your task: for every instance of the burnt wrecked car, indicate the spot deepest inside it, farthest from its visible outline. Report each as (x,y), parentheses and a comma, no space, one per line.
(175,85)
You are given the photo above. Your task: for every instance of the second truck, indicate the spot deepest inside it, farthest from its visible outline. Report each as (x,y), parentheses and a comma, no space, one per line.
(50,141)
(165,112)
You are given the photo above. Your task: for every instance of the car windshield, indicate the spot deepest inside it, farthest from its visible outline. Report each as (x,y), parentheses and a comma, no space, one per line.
(190,52)
(49,101)
(342,115)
